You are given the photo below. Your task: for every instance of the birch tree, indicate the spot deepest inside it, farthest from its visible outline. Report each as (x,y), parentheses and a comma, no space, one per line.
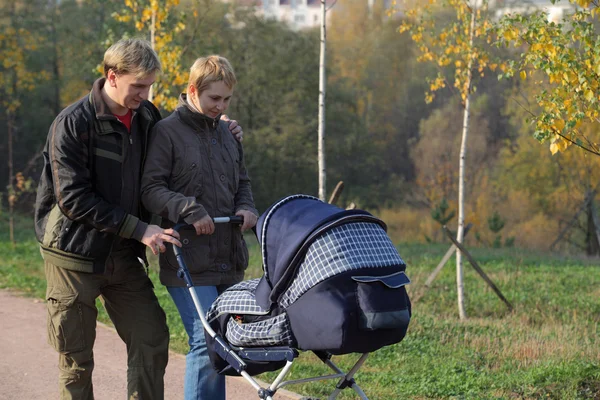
(564,60)
(457,47)
(322,87)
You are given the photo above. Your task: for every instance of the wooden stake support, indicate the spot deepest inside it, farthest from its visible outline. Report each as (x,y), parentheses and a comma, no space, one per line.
(445,259)
(588,198)
(336,192)
(478,268)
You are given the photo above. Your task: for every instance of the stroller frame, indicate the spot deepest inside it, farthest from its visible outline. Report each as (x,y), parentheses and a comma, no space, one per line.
(235,356)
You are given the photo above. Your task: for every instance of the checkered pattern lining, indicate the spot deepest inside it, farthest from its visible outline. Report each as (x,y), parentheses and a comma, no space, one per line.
(351,246)
(238,299)
(274,331)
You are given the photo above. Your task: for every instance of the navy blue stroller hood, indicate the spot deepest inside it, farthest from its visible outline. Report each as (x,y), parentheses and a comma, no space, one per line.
(286,230)
(333,281)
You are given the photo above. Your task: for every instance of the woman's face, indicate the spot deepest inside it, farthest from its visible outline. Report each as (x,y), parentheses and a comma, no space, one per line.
(214,100)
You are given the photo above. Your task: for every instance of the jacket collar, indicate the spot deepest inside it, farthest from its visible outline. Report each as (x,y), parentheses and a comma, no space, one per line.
(194,118)
(100,107)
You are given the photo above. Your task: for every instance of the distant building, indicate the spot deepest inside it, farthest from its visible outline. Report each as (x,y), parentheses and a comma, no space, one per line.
(297,14)
(303,14)
(556,11)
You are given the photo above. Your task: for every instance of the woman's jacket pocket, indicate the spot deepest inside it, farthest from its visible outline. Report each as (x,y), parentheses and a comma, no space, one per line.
(196,251)
(65,322)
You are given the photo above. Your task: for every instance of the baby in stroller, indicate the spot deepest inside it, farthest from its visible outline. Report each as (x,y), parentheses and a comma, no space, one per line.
(333,284)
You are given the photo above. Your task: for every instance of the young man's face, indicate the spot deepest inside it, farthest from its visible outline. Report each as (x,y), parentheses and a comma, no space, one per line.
(130,90)
(214,100)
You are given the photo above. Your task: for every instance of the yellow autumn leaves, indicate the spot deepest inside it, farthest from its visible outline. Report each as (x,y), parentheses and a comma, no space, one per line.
(449,44)
(564,61)
(558,142)
(154,15)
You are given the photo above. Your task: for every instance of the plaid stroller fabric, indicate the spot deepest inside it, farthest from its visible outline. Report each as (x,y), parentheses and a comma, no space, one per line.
(344,248)
(239,300)
(333,281)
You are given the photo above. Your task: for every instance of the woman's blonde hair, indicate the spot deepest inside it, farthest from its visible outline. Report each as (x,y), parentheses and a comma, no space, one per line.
(131,56)
(207,70)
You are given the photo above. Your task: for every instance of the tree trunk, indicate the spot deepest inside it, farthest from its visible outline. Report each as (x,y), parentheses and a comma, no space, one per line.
(593,230)
(11,188)
(321,149)
(55,62)
(461,179)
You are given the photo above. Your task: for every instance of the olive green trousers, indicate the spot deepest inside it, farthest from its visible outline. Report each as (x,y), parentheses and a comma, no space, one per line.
(128,296)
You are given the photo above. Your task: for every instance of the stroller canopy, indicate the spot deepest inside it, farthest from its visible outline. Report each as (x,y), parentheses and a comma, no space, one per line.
(285,232)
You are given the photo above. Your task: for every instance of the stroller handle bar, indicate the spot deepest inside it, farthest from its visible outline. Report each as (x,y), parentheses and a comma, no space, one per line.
(234,219)
(183,272)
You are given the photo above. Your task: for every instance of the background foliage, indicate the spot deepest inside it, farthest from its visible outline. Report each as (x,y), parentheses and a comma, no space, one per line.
(397,155)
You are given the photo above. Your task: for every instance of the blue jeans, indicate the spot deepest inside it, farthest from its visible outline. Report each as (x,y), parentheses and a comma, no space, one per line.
(201,381)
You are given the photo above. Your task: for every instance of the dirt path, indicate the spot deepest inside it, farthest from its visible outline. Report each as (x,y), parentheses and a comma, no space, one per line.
(28,365)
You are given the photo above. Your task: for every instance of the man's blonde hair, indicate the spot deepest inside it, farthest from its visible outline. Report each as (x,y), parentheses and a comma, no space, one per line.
(131,56)
(207,70)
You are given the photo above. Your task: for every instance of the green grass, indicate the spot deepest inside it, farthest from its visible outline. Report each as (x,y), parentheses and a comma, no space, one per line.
(548,347)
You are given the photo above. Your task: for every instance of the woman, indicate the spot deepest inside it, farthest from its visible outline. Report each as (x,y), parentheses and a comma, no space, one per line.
(195,171)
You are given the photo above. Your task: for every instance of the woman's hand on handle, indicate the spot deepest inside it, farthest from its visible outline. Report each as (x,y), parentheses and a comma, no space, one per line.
(205,226)
(249,219)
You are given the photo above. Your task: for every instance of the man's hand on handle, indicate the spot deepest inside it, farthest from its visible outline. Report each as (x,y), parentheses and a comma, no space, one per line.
(155,238)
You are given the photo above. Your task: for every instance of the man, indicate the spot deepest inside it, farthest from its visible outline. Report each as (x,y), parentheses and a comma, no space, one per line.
(92,228)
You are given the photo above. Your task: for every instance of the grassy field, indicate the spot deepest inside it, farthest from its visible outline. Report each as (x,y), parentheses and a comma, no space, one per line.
(548,347)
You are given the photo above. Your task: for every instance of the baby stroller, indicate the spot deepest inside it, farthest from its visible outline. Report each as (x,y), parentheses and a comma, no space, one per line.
(333,284)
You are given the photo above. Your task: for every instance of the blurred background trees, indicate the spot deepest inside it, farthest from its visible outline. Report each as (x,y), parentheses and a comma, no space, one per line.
(396,154)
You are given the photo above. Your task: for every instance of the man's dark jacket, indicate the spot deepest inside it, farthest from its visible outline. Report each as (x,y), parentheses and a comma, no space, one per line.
(88,196)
